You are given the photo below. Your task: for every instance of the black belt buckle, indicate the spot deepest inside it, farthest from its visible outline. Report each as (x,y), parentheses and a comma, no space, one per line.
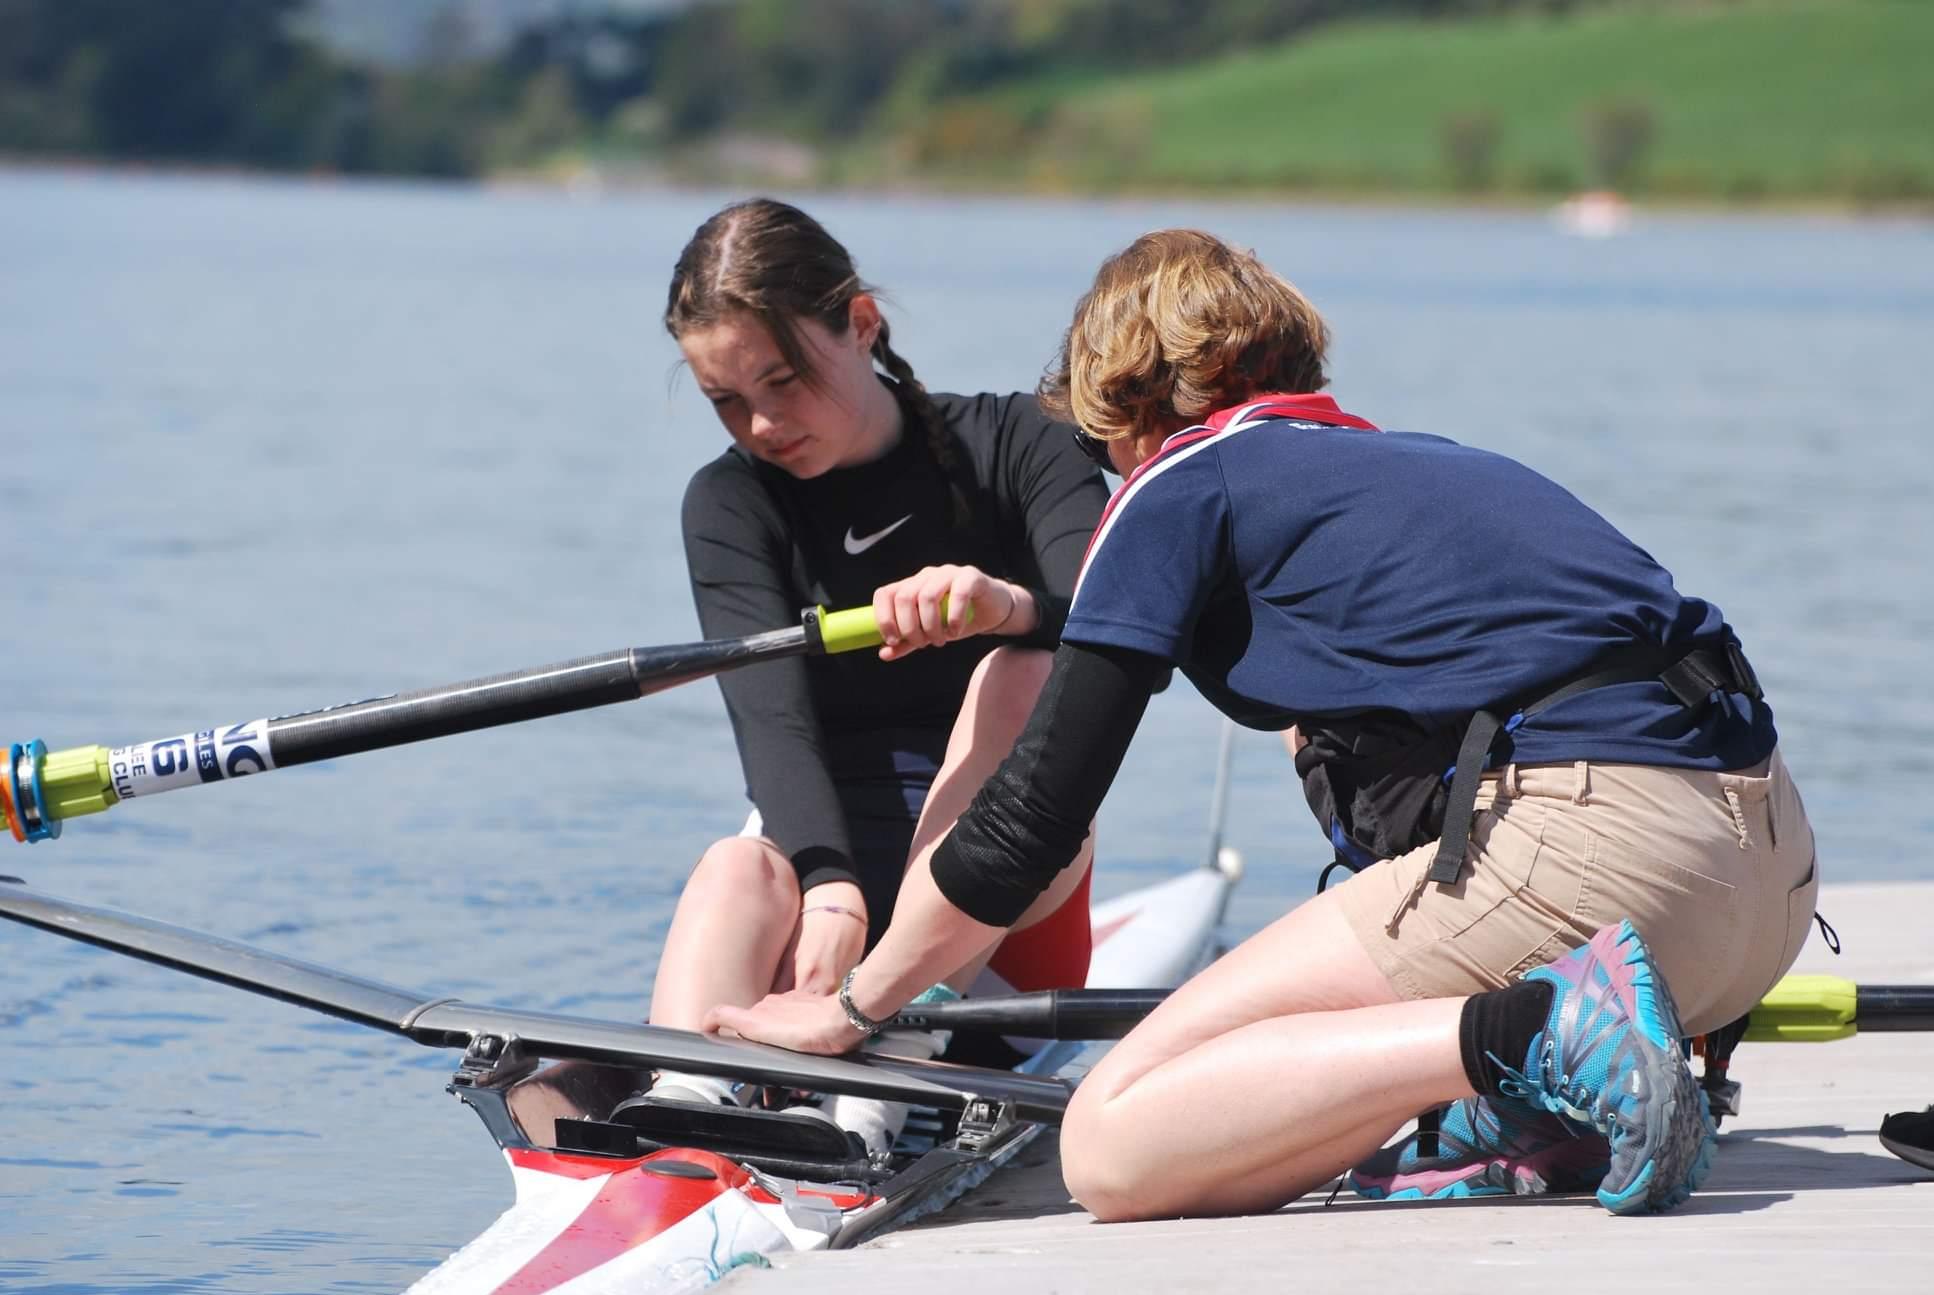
(1743,675)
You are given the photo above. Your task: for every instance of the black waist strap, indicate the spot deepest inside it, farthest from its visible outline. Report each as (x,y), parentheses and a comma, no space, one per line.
(1692,678)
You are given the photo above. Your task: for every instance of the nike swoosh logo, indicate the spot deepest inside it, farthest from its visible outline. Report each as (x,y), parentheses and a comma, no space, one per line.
(858,544)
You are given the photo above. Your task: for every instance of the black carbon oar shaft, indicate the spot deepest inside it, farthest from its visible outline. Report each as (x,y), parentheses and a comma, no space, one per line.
(587,682)
(1886,1009)
(1798,1008)
(39,789)
(1043,1014)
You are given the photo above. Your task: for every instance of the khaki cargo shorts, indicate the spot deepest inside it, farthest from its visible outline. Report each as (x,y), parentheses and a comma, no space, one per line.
(1716,870)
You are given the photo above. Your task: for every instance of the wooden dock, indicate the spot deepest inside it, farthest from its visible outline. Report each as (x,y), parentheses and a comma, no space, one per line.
(1803,1197)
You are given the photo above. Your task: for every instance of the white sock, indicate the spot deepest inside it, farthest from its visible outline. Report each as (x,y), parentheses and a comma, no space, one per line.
(879,1122)
(678,1086)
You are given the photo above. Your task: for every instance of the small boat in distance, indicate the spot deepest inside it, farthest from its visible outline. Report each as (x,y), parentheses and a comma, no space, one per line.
(1595,213)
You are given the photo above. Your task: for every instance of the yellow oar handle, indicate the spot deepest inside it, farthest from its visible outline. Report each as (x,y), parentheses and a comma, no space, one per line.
(848,631)
(855,628)
(1806,1009)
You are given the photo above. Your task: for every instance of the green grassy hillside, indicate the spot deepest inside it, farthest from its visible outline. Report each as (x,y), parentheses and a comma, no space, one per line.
(1739,100)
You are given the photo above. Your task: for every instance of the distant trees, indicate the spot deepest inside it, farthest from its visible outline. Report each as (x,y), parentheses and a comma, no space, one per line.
(185,79)
(241,82)
(1618,133)
(247,82)
(1470,142)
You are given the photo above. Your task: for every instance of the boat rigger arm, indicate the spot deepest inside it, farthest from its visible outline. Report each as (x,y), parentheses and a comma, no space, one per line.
(447,1022)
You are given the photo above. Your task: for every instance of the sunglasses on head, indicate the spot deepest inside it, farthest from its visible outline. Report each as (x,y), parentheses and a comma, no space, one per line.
(1095,450)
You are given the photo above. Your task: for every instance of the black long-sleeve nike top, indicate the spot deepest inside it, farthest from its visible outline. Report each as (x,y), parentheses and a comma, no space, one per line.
(760,544)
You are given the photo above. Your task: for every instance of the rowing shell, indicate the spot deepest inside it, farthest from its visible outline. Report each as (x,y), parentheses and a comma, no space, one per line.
(679,1219)
(678,1199)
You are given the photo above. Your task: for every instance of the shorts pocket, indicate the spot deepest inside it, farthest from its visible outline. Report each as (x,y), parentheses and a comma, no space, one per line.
(1524,859)
(1481,931)
(1507,839)
(1800,903)
(1553,889)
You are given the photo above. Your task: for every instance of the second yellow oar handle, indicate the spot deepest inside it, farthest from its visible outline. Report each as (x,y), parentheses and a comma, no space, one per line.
(1806,1009)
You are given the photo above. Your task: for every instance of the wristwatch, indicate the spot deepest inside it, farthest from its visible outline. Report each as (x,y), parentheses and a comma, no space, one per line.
(854,1016)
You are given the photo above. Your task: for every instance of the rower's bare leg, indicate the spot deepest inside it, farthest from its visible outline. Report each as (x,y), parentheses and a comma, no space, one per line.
(1265,1077)
(734,924)
(999,699)
(735,921)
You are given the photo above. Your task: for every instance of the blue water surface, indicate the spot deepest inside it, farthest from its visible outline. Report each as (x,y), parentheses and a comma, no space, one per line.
(266,446)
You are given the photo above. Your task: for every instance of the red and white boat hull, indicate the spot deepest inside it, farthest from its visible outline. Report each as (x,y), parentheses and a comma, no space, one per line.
(588,1223)
(679,1220)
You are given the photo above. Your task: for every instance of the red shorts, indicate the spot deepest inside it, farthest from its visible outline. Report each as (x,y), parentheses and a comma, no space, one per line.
(1053,953)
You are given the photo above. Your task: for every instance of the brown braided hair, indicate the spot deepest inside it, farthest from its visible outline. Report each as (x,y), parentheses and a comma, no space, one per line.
(771,261)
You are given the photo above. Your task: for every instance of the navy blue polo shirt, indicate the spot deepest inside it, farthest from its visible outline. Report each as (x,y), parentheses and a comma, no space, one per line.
(1297,564)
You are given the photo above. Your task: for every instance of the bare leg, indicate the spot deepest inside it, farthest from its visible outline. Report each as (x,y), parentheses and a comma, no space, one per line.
(729,936)
(999,699)
(734,924)
(728,940)
(1270,1073)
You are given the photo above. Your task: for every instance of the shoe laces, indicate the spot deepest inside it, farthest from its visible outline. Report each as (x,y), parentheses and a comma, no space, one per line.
(1577,1099)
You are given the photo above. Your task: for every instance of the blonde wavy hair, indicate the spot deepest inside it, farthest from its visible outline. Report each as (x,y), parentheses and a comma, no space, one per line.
(1178,325)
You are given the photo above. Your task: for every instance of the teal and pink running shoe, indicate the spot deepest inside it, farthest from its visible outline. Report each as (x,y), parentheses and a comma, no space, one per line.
(1609,1057)
(1487,1146)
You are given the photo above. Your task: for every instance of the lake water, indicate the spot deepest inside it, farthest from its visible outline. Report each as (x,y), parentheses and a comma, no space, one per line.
(266,446)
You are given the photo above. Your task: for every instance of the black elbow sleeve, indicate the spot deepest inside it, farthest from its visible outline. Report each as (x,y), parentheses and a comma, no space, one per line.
(1029,820)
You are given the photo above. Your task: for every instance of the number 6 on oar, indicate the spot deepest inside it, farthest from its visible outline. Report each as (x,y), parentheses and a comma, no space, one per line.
(39,788)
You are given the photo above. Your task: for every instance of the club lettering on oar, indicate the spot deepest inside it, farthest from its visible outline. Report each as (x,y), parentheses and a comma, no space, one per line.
(211,755)
(237,753)
(169,757)
(127,765)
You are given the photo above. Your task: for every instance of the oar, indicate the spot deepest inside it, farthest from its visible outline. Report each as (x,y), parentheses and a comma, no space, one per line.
(1042,1014)
(1819,1009)
(486,1031)
(1799,1009)
(39,789)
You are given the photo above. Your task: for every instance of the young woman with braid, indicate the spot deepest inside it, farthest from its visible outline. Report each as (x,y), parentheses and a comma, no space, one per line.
(847,482)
